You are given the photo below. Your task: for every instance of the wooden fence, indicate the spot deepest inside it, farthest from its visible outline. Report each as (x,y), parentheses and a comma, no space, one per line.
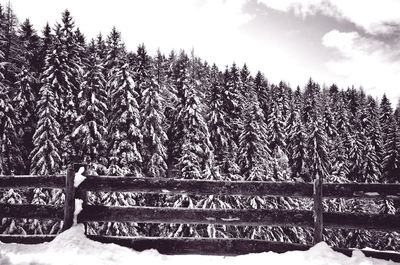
(316,218)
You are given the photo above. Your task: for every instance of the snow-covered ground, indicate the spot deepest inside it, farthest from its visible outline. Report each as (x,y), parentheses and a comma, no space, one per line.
(73,248)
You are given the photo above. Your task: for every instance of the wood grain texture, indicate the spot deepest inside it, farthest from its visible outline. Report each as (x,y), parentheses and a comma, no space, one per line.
(251,217)
(24,181)
(31,211)
(200,187)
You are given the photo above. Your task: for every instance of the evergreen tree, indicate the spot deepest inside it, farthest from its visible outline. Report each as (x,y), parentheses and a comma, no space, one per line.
(296,147)
(45,157)
(24,102)
(220,138)
(11,160)
(391,160)
(124,125)
(90,132)
(254,153)
(261,88)
(317,150)
(276,139)
(386,114)
(195,160)
(154,135)
(142,72)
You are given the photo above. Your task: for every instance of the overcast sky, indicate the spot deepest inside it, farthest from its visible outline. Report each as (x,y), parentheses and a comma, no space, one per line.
(347,42)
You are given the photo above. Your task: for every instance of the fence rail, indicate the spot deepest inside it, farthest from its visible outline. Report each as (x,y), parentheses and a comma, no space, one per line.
(316,218)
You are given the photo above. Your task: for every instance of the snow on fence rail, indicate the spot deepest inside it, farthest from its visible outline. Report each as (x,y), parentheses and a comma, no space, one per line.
(253,217)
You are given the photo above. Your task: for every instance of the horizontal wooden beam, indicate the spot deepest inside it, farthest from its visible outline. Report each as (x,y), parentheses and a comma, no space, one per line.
(25,181)
(385,222)
(245,188)
(201,246)
(26,239)
(361,190)
(248,217)
(30,211)
(244,217)
(200,187)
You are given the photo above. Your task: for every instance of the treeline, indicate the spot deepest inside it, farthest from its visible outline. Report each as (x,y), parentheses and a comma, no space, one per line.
(64,99)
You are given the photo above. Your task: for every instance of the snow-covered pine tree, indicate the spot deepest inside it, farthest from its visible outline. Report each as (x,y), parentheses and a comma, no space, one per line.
(261,88)
(45,156)
(24,102)
(90,132)
(72,45)
(72,71)
(296,146)
(217,123)
(46,42)
(141,72)
(124,125)
(123,131)
(386,113)
(317,149)
(254,159)
(152,115)
(11,160)
(391,160)
(254,154)
(27,86)
(397,114)
(234,100)
(310,95)
(11,152)
(10,46)
(193,147)
(196,157)
(276,138)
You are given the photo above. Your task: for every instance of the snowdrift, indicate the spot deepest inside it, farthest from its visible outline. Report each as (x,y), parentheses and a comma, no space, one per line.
(73,248)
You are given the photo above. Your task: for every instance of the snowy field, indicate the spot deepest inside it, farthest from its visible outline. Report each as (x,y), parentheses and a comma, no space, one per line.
(73,248)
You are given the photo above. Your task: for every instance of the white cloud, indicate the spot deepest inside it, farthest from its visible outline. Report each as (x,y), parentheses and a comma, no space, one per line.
(372,15)
(365,62)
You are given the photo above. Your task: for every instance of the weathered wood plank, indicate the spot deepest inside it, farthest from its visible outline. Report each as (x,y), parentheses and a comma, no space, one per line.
(25,181)
(28,239)
(31,211)
(69,204)
(202,246)
(385,222)
(318,211)
(201,187)
(362,190)
(251,217)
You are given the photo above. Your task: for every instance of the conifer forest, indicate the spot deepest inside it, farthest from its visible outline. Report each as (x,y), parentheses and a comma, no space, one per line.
(67,99)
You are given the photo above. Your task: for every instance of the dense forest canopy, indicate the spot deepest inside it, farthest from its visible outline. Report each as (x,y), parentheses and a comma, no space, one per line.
(66,99)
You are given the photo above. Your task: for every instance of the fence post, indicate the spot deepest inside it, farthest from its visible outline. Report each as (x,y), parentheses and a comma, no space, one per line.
(318,210)
(69,204)
(83,195)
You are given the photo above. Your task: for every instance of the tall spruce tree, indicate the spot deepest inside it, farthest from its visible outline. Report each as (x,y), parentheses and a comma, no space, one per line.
(90,132)
(152,116)
(125,134)
(45,156)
